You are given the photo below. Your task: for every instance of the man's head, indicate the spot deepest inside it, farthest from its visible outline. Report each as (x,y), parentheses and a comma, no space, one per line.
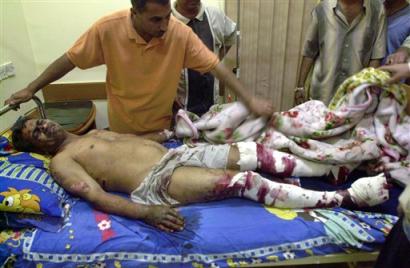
(189,4)
(37,135)
(150,17)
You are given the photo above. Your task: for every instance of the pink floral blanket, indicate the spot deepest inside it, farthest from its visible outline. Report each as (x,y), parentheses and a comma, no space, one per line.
(365,123)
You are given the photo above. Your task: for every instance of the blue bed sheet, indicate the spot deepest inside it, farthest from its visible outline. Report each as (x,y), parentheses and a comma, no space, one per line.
(226,233)
(217,234)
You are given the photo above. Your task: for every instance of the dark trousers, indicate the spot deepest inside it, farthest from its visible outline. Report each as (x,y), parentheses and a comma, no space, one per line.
(396,250)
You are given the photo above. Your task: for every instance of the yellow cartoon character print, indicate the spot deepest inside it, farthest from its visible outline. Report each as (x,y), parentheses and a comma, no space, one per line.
(11,237)
(20,201)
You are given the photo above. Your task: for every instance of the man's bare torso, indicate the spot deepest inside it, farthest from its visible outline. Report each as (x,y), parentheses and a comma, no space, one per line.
(117,162)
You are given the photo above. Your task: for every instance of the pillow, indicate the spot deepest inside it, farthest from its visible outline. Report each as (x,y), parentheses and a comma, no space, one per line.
(26,187)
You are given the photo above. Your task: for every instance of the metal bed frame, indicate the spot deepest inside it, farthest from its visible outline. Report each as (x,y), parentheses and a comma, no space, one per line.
(38,102)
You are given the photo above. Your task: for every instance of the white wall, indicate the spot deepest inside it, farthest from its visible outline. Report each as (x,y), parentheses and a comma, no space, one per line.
(36,32)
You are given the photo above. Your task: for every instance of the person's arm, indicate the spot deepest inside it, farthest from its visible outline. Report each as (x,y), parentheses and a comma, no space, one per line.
(310,52)
(54,71)
(305,67)
(256,105)
(380,43)
(399,56)
(75,179)
(159,136)
(398,71)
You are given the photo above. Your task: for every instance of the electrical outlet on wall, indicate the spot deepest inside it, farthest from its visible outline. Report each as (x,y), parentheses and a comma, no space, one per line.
(7,70)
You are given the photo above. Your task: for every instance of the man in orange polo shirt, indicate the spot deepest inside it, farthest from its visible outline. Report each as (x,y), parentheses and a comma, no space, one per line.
(144,49)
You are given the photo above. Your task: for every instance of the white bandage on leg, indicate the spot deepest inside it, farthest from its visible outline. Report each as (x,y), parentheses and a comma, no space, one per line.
(248,157)
(369,191)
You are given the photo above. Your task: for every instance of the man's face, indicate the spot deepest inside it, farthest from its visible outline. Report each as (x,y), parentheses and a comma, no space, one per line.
(153,20)
(43,134)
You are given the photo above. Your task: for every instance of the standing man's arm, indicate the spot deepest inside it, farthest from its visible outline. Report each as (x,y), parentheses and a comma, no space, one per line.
(229,35)
(310,52)
(380,46)
(305,66)
(402,54)
(54,71)
(257,106)
(397,71)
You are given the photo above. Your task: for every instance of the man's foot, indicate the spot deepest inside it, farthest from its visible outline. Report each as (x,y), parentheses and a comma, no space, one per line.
(368,191)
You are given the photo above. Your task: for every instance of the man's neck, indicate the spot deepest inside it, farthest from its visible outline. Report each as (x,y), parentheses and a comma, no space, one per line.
(394,6)
(68,139)
(189,13)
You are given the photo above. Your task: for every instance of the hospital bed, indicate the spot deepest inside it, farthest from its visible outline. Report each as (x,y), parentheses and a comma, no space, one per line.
(228,233)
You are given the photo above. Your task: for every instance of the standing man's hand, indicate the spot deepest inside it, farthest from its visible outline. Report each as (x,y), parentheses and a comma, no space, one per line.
(19,97)
(299,97)
(398,71)
(260,107)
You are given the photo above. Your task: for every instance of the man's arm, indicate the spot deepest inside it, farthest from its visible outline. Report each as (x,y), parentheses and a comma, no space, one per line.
(399,56)
(305,67)
(255,105)
(398,71)
(402,54)
(159,136)
(380,43)
(75,179)
(54,71)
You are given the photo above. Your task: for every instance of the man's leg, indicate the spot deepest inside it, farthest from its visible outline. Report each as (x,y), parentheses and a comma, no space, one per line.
(193,184)
(253,156)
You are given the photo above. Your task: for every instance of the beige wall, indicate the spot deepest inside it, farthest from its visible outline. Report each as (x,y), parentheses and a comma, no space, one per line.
(272,33)
(15,46)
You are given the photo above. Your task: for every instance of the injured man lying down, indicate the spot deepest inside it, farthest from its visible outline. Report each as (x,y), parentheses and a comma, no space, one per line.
(365,122)
(100,162)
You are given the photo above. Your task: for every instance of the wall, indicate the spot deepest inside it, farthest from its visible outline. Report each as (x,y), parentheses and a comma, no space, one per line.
(15,46)
(272,33)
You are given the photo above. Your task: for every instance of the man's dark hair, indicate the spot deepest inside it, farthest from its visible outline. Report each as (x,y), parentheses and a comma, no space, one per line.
(140,4)
(17,136)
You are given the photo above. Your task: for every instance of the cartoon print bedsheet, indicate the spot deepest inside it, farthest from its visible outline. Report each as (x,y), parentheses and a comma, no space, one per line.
(218,234)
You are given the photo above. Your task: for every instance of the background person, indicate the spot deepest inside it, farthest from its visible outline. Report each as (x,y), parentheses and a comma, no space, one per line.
(198,92)
(344,37)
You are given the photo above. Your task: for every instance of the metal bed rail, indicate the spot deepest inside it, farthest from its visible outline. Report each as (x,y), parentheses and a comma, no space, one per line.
(38,102)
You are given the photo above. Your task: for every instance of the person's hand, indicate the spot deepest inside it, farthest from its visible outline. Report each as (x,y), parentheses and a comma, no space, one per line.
(19,97)
(260,107)
(165,218)
(300,96)
(400,56)
(398,72)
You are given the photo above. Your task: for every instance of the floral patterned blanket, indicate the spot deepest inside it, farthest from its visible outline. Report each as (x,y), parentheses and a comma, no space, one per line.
(365,123)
